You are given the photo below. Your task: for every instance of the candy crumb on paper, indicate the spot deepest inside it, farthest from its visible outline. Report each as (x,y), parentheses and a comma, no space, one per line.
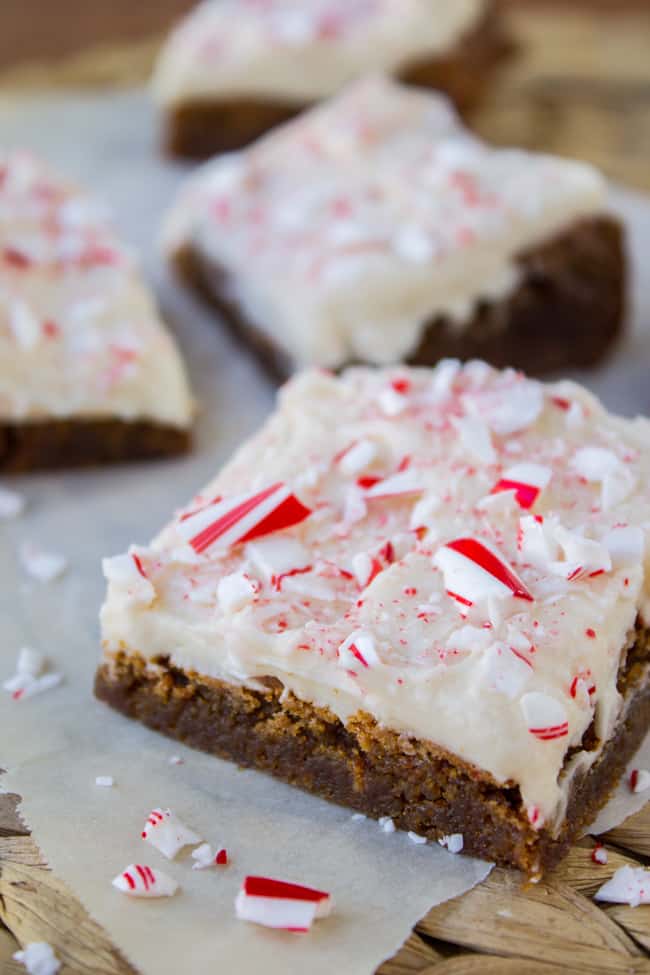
(140,880)
(278,904)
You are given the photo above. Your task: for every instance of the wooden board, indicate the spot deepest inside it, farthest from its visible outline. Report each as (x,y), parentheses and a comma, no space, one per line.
(580,86)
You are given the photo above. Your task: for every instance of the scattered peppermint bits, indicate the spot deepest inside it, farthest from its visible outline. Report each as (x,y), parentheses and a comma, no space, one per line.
(386,824)
(639,780)
(40,564)
(167,833)
(140,880)
(38,958)
(453,843)
(629,885)
(11,504)
(278,904)
(599,854)
(204,857)
(105,781)
(32,676)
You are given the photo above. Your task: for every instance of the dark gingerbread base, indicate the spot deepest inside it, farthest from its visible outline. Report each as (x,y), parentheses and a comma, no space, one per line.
(48,444)
(566,313)
(377,772)
(203,128)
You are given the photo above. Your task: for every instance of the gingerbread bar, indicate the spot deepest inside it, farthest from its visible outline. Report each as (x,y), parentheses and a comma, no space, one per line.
(376,229)
(88,372)
(233,69)
(418,593)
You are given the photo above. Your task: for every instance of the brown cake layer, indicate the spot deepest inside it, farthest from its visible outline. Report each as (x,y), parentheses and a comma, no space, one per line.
(52,443)
(375,771)
(203,127)
(566,312)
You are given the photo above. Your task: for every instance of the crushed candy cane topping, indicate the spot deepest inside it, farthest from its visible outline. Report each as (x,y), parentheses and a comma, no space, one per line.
(356,216)
(304,49)
(492,630)
(278,904)
(79,332)
(32,676)
(167,833)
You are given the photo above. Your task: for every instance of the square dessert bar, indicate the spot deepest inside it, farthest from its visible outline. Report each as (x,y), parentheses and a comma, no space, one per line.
(419,593)
(83,353)
(234,68)
(376,229)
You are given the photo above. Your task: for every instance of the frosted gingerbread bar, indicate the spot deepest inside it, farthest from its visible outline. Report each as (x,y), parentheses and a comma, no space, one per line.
(419,593)
(376,229)
(234,68)
(88,372)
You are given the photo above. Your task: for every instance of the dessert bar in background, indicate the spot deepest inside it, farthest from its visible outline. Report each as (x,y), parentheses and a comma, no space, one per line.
(88,372)
(235,68)
(419,593)
(376,228)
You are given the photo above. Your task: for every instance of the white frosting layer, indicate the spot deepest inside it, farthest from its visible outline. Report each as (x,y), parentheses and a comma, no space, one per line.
(345,232)
(301,49)
(79,331)
(379,596)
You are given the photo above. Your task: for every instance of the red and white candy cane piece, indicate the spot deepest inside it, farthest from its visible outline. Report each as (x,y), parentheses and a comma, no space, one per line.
(359,648)
(629,885)
(128,572)
(582,687)
(599,854)
(472,570)
(639,780)
(544,716)
(526,480)
(204,857)
(277,904)
(167,833)
(402,484)
(139,880)
(229,522)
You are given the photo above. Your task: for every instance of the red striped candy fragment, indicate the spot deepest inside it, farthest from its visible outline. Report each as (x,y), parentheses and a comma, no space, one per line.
(472,571)
(167,833)
(544,716)
(229,522)
(359,648)
(402,484)
(639,780)
(278,904)
(599,854)
(526,480)
(139,880)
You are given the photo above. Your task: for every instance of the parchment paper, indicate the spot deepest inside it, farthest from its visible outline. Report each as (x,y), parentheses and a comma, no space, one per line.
(55,745)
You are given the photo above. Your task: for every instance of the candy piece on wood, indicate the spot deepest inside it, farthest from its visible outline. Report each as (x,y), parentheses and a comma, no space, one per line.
(629,885)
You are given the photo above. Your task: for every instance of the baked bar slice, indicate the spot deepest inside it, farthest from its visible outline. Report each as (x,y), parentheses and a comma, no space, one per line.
(376,229)
(88,372)
(419,593)
(234,68)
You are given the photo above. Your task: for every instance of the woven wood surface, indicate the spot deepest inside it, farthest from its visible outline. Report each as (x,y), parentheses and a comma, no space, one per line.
(579,86)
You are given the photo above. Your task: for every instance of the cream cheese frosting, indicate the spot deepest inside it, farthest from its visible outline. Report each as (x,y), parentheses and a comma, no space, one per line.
(301,50)
(80,335)
(343,234)
(459,552)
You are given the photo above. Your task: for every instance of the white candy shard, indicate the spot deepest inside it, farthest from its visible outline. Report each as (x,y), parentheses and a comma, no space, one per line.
(30,662)
(139,880)
(392,403)
(236,591)
(626,545)
(423,510)
(505,670)
(452,842)
(38,958)
(127,572)
(358,457)
(167,833)
(416,838)
(42,565)
(275,556)
(517,411)
(602,466)
(545,717)
(629,885)
(386,824)
(105,781)
(640,780)
(30,678)
(11,504)
(404,483)
(475,437)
